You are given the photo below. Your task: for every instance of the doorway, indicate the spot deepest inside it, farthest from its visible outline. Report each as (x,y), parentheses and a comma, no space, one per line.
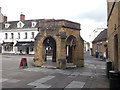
(70,49)
(27,50)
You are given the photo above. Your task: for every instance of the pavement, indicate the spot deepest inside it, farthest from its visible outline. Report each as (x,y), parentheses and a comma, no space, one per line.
(92,75)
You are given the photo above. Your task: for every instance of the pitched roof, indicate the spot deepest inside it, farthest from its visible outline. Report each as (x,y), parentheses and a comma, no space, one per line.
(13,24)
(101,37)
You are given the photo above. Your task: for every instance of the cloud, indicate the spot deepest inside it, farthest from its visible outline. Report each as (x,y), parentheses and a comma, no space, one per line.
(98,14)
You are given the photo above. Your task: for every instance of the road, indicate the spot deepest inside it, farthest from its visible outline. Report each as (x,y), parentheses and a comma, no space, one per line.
(92,75)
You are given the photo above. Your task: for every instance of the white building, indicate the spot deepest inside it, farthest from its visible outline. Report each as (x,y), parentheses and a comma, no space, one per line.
(17,37)
(1,16)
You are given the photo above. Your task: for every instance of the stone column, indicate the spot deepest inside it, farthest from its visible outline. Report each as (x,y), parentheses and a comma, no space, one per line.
(79,54)
(61,54)
(38,61)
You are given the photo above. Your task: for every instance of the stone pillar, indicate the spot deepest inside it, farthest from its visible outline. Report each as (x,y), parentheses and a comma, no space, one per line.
(79,49)
(38,60)
(61,54)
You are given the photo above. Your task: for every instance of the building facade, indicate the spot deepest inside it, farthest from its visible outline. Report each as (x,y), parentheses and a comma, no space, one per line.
(114,33)
(1,16)
(100,45)
(86,46)
(17,37)
(62,38)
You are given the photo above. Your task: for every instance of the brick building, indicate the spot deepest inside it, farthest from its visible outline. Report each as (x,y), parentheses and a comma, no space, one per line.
(114,33)
(62,38)
(99,45)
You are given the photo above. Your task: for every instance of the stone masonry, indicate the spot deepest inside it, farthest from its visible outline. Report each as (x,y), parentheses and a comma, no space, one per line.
(65,34)
(114,33)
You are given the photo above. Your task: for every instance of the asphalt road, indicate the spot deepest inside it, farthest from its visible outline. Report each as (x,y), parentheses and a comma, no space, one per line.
(93,75)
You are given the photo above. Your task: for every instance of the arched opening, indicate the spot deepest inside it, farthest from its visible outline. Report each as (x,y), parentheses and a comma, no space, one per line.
(70,48)
(50,49)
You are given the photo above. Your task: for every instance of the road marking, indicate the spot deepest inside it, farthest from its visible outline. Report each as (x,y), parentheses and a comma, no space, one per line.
(13,81)
(43,86)
(86,73)
(75,73)
(75,84)
(40,82)
(3,80)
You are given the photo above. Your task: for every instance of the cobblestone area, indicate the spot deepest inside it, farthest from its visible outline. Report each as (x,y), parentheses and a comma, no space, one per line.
(93,75)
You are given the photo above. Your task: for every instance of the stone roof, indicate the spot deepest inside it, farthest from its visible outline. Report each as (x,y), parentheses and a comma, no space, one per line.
(101,37)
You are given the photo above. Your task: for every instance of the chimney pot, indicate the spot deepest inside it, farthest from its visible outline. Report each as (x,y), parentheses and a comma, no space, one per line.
(5,18)
(22,17)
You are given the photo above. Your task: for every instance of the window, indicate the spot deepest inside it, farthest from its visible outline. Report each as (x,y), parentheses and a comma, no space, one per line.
(12,35)
(8,48)
(34,24)
(18,35)
(25,35)
(32,35)
(20,24)
(7,25)
(31,49)
(100,48)
(6,36)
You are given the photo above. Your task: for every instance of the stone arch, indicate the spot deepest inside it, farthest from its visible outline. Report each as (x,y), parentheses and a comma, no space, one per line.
(49,48)
(71,43)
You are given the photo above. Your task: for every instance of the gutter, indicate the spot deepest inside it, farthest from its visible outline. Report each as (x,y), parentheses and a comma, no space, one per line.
(111,10)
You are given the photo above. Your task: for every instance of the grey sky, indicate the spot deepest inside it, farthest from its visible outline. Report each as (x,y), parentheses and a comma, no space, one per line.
(89,13)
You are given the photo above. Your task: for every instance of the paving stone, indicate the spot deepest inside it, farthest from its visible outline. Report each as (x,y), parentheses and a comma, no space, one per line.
(76,84)
(41,81)
(86,73)
(3,80)
(75,73)
(43,86)
(13,81)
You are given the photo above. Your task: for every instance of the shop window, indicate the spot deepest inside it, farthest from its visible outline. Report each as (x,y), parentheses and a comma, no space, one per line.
(31,49)
(18,48)
(8,48)
(100,48)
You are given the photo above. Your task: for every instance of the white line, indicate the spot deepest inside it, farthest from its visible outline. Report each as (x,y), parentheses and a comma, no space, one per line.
(41,81)
(75,84)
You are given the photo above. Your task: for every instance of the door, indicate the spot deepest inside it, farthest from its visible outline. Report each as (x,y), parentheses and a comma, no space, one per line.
(116,52)
(27,50)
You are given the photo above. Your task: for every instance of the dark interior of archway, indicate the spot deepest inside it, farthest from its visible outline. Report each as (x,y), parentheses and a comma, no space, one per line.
(69,54)
(71,43)
(50,48)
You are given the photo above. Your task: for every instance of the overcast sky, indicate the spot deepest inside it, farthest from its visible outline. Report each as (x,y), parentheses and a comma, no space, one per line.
(91,14)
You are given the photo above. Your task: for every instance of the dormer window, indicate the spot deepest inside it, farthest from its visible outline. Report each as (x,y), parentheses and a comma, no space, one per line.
(7,25)
(34,24)
(20,24)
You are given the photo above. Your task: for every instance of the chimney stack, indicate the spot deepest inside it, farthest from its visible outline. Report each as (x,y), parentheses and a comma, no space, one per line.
(5,18)
(22,17)
(0,9)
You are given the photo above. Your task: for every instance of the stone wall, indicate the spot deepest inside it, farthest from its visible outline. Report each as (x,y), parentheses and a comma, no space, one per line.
(113,30)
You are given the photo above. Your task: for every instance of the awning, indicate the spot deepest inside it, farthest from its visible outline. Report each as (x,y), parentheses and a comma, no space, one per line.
(7,43)
(25,44)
